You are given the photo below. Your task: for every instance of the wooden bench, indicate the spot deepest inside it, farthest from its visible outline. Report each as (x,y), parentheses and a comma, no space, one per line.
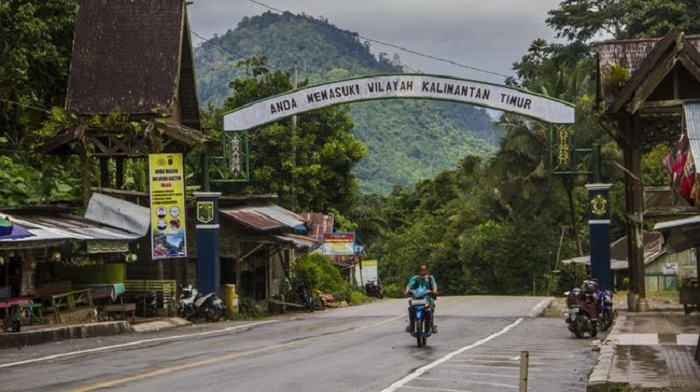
(69,300)
(117,312)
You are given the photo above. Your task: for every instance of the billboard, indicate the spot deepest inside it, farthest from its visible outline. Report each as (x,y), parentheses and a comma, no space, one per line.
(338,244)
(167,183)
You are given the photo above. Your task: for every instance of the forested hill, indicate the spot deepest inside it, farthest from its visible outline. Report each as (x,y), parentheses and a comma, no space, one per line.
(407,140)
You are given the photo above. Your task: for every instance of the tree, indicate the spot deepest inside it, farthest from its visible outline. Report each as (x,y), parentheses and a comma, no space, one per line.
(584,20)
(35,50)
(308,165)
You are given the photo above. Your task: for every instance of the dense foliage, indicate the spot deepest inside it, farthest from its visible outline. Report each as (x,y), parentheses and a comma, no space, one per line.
(485,212)
(35,50)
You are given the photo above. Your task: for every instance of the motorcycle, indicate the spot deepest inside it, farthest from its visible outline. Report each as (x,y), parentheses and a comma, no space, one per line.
(305,296)
(373,289)
(582,312)
(147,306)
(607,315)
(193,304)
(421,314)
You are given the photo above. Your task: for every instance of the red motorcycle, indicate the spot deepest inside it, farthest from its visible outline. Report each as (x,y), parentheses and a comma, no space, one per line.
(582,313)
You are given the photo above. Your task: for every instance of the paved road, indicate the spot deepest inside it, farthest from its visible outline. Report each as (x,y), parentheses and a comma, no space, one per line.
(359,348)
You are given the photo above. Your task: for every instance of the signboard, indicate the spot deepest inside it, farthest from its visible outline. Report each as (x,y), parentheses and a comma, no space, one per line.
(338,244)
(167,182)
(499,97)
(670,268)
(369,272)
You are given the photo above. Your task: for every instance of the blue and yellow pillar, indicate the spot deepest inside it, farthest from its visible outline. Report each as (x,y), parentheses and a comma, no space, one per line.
(208,261)
(599,225)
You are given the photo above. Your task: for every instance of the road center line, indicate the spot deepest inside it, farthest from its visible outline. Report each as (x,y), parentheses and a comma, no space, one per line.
(170,369)
(135,343)
(420,371)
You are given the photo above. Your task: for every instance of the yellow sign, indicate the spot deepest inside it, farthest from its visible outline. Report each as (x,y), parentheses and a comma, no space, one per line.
(167,181)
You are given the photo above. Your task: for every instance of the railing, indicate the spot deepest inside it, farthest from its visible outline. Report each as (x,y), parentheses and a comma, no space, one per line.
(165,292)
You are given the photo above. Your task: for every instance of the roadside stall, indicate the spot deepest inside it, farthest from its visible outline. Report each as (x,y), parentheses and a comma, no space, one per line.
(55,263)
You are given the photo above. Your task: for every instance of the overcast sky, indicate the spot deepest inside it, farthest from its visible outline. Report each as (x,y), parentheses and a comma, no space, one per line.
(484,34)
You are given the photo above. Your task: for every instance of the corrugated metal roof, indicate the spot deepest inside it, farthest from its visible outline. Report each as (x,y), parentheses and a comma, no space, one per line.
(299,241)
(319,223)
(58,227)
(119,213)
(693,220)
(680,234)
(264,217)
(653,249)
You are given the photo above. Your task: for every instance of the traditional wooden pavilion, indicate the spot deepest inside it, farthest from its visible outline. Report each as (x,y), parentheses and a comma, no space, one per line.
(647,88)
(133,58)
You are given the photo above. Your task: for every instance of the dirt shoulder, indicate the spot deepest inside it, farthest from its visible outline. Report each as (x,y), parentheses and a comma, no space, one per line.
(664,300)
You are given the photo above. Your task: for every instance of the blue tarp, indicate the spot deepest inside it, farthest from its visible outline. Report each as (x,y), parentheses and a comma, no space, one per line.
(17,232)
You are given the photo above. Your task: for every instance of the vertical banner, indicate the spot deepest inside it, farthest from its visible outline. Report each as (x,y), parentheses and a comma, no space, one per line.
(167,183)
(599,225)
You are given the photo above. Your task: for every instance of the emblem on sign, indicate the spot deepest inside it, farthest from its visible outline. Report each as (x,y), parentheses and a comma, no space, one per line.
(205,211)
(599,205)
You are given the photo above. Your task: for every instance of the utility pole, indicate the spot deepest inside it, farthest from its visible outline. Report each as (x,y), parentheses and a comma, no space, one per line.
(294,145)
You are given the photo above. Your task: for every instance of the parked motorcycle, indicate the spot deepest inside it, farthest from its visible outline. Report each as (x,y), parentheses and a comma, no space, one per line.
(606,315)
(421,315)
(305,296)
(193,304)
(147,306)
(582,312)
(373,289)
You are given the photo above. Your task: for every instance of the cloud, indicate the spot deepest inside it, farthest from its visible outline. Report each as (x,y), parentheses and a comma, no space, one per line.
(484,34)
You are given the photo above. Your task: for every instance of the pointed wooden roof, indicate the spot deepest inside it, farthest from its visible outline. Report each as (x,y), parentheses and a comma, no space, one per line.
(662,73)
(135,58)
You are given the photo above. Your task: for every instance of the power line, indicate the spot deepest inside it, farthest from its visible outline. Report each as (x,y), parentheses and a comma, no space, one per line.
(210,42)
(387,44)
(24,105)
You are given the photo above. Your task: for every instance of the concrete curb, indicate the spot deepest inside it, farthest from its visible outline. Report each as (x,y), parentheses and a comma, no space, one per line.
(54,333)
(598,380)
(539,309)
(157,325)
(64,332)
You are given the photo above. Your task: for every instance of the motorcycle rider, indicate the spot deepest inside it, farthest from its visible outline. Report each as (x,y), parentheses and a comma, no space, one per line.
(425,281)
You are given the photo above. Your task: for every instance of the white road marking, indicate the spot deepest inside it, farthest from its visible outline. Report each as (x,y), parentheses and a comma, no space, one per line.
(420,371)
(495,384)
(135,343)
(438,389)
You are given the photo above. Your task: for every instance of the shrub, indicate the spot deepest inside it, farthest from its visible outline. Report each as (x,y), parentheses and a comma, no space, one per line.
(247,307)
(319,274)
(393,290)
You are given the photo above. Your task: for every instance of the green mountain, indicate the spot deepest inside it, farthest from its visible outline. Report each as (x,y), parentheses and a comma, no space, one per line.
(407,140)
